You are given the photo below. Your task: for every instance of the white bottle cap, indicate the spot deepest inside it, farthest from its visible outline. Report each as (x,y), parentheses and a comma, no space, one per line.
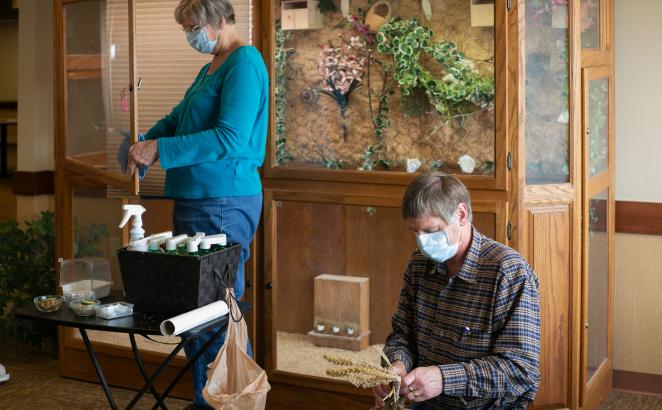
(192,244)
(171,244)
(155,243)
(208,241)
(141,245)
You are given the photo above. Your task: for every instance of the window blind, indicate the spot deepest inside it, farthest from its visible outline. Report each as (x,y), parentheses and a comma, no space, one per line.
(167,66)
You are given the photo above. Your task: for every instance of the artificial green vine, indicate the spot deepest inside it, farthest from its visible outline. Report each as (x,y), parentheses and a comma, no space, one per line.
(461,91)
(281,55)
(598,121)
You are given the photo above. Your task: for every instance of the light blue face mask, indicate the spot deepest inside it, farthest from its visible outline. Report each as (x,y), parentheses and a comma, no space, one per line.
(199,41)
(437,246)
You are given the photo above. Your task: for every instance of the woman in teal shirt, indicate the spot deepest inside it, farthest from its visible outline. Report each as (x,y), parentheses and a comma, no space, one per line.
(213,142)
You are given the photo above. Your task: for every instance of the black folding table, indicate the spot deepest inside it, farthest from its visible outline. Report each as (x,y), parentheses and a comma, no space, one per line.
(139,324)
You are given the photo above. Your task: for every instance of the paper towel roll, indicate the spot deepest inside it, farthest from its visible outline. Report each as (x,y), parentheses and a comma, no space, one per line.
(196,317)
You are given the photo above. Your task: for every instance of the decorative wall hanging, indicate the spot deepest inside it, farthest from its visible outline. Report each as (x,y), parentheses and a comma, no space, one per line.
(377,15)
(301,15)
(427,9)
(482,13)
(461,91)
(342,69)
(344,7)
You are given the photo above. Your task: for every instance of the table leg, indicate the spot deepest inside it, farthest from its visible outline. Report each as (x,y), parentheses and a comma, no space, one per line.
(97,367)
(3,151)
(190,361)
(141,367)
(155,376)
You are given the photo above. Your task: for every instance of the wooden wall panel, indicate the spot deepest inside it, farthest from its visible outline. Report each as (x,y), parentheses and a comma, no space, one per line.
(310,240)
(549,245)
(485,223)
(379,246)
(284,396)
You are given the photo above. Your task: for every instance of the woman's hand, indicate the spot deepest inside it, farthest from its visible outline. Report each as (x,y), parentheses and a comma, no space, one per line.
(422,383)
(142,154)
(382,390)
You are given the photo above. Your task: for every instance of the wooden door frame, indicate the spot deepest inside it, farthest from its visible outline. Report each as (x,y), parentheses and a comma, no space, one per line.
(595,391)
(75,164)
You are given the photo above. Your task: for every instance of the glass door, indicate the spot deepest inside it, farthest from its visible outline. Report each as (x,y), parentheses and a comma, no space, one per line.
(598,228)
(97,91)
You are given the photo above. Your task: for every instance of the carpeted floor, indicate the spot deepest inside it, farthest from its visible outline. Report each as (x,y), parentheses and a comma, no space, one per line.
(36,384)
(627,401)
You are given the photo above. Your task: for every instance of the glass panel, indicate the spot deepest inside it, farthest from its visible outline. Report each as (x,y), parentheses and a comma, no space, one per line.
(598,282)
(598,126)
(414,92)
(590,23)
(547,113)
(96,234)
(97,73)
(350,243)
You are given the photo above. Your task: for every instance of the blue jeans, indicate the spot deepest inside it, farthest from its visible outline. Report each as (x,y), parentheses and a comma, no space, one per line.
(237,217)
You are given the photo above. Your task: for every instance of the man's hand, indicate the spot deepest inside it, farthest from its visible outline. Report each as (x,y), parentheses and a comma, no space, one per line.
(382,390)
(422,383)
(142,154)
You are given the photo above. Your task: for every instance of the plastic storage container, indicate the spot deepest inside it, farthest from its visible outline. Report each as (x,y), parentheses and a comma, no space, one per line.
(83,275)
(114,310)
(173,284)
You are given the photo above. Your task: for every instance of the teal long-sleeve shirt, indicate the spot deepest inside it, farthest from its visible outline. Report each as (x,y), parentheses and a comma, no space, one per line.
(213,141)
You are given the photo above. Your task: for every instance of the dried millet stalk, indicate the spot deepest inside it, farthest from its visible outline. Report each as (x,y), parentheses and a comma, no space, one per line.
(368,375)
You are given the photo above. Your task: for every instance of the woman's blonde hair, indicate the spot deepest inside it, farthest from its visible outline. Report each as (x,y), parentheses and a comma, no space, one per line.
(435,194)
(205,12)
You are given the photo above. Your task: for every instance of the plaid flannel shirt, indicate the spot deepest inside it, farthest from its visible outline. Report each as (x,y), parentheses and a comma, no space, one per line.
(481,327)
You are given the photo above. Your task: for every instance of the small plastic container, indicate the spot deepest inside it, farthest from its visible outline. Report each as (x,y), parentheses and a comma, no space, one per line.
(85,275)
(85,295)
(84,307)
(114,310)
(48,303)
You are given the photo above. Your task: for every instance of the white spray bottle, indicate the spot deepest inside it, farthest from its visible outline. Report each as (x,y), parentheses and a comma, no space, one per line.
(137,232)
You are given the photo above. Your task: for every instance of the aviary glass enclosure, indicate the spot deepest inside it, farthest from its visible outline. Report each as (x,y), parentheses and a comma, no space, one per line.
(385,86)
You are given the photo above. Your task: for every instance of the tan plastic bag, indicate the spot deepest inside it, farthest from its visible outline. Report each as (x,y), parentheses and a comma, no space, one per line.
(234,380)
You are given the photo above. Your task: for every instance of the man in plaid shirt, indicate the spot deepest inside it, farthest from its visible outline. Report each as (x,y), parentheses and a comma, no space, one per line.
(466,333)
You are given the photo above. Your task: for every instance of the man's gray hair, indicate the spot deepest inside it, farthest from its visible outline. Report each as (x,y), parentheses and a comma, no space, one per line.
(435,194)
(205,12)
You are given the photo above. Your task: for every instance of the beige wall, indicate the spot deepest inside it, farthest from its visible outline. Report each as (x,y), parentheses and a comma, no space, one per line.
(638,102)
(638,277)
(35,96)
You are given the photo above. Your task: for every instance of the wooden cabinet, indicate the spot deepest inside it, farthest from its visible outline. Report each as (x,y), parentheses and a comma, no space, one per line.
(334,181)
(533,142)
(120,65)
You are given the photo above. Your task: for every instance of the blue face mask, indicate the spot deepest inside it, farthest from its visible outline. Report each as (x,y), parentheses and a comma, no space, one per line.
(199,41)
(437,246)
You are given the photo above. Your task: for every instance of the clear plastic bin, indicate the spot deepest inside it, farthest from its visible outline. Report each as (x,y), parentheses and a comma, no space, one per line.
(85,275)
(113,310)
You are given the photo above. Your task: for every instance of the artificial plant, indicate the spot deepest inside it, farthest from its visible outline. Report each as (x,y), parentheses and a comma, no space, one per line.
(281,55)
(342,68)
(461,90)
